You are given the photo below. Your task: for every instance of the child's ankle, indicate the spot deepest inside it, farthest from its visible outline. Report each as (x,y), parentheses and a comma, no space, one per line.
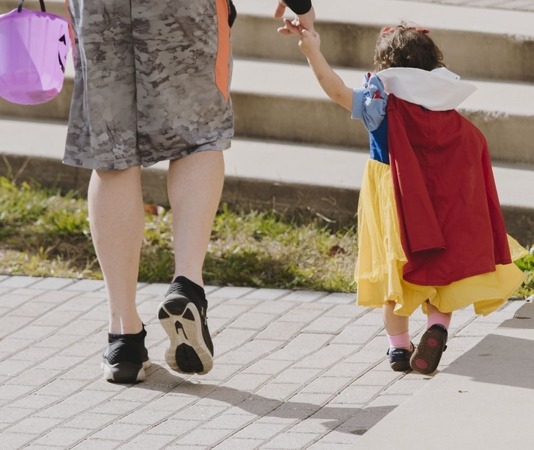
(439,318)
(400,340)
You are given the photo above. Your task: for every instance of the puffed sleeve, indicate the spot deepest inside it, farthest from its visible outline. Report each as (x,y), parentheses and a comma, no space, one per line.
(369,102)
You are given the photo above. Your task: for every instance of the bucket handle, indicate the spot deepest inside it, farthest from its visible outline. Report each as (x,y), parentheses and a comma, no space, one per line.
(43,9)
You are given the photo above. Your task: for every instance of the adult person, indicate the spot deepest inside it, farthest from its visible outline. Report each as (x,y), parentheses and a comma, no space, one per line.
(152,84)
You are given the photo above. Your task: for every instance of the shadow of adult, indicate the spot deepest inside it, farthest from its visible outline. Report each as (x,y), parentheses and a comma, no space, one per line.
(346,419)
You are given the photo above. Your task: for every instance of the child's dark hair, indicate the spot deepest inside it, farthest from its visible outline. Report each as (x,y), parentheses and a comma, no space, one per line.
(406,46)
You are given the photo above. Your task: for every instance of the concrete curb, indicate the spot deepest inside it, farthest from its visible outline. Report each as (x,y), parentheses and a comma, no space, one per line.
(335,205)
(486,396)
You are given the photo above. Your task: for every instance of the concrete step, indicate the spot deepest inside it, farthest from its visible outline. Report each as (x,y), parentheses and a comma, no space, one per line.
(477,43)
(283,101)
(322,181)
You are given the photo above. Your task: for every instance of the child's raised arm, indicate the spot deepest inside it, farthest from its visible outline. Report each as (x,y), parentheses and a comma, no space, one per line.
(332,84)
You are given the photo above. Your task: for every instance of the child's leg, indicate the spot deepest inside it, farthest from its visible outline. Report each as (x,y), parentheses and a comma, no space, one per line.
(437,317)
(400,346)
(396,327)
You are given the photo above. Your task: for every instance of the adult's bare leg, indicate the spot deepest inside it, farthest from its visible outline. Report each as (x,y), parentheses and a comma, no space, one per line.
(194,186)
(116,219)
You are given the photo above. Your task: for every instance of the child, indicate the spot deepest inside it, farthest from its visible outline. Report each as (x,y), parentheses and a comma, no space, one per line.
(430,228)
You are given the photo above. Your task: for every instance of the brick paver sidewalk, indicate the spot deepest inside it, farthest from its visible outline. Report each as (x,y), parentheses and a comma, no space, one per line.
(293,370)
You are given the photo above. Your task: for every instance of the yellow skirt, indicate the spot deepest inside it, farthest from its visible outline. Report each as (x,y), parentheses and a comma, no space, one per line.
(381,259)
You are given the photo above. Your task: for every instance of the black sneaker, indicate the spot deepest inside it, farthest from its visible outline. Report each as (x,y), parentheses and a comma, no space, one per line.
(426,357)
(125,358)
(399,358)
(183,317)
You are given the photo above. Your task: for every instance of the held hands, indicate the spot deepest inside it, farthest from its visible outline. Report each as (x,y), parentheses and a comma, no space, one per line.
(302,25)
(294,27)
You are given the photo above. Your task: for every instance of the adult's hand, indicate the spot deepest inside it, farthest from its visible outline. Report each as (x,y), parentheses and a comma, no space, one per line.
(280,10)
(306,20)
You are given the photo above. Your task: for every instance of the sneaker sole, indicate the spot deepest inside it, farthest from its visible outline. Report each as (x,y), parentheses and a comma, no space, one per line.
(427,354)
(187,352)
(125,372)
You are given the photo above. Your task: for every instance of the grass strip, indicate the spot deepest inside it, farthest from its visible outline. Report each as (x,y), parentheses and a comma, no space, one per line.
(46,233)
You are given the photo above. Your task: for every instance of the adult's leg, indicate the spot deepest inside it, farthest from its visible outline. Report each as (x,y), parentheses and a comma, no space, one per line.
(116,218)
(194,186)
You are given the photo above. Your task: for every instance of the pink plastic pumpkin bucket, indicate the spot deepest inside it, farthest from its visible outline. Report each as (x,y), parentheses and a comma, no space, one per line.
(33,53)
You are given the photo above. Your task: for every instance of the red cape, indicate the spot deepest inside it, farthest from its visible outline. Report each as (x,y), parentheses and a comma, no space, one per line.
(450,219)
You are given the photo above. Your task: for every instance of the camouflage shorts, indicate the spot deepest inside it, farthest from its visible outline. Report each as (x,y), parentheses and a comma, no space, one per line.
(151,81)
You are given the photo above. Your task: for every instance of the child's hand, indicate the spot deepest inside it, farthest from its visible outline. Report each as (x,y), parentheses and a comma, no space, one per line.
(291,27)
(310,42)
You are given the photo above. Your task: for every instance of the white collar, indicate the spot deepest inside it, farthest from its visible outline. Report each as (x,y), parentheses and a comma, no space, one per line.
(437,90)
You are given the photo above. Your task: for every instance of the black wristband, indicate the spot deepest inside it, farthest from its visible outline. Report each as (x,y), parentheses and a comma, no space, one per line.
(299,6)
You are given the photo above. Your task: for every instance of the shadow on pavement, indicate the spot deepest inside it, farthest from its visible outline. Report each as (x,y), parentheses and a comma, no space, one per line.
(346,419)
(504,357)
